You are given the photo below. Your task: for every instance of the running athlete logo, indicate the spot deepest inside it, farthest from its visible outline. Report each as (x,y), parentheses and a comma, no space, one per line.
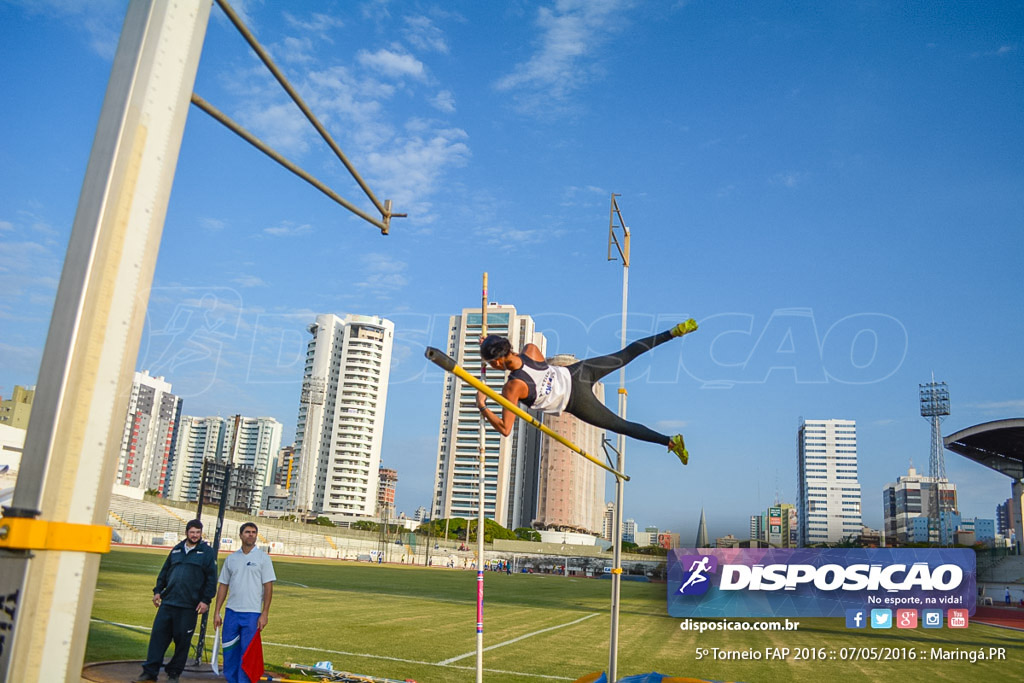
(695,580)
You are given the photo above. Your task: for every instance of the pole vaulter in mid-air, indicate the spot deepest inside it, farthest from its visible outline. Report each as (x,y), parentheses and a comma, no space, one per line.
(554,389)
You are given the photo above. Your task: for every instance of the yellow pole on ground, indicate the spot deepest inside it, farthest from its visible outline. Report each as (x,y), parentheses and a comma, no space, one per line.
(445,362)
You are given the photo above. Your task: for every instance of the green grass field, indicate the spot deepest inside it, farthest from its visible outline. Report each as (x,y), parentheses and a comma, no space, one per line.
(407,622)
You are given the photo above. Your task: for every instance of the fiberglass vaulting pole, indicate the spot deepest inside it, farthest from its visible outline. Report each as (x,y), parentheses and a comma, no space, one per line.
(480,506)
(52,534)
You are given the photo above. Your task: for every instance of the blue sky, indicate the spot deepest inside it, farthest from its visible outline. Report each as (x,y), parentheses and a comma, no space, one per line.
(836,192)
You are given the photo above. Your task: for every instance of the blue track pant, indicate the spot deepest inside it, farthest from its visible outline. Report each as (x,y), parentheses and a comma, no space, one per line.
(237,631)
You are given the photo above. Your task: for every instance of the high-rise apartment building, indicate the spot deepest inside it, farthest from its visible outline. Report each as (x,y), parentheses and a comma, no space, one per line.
(757,526)
(257,446)
(570,487)
(284,466)
(777,525)
(908,509)
(213,438)
(388,480)
(829,496)
(339,431)
(199,439)
(630,531)
(608,521)
(16,410)
(150,434)
(1004,518)
(511,464)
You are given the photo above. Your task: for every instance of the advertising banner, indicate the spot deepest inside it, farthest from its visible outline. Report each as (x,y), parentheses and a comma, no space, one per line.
(812,582)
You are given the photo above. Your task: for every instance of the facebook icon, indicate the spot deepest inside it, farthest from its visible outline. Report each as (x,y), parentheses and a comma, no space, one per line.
(856,618)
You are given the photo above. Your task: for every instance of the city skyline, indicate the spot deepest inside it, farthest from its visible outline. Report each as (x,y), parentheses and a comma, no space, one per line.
(830,192)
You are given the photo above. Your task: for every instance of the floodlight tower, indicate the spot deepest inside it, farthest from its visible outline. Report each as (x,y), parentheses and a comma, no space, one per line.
(935,407)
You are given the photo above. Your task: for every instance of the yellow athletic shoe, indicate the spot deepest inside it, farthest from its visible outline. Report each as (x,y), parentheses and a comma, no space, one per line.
(684,328)
(678,446)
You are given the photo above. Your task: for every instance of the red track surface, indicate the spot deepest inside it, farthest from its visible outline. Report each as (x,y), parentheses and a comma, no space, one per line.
(1009,617)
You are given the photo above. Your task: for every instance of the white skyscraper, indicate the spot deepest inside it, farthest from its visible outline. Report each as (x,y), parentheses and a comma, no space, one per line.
(510,496)
(908,508)
(150,427)
(341,416)
(829,490)
(199,438)
(202,438)
(259,440)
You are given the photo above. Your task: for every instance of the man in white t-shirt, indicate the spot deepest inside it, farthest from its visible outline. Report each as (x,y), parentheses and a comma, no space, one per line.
(247,580)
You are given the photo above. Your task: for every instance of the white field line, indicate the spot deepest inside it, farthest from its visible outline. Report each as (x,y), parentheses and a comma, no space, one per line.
(515,640)
(145,629)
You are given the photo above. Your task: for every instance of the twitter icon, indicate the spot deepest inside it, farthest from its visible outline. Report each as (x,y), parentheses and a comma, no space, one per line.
(881,618)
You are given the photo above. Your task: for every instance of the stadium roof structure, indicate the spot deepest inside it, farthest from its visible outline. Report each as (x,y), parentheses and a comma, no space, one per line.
(998,445)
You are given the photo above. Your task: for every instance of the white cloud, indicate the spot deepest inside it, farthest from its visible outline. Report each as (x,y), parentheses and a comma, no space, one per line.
(294,50)
(288,229)
(1011,406)
(317,22)
(281,125)
(212,224)
(421,33)
(249,281)
(570,34)
(341,99)
(393,64)
(444,101)
(100,20)
(510,239)
(788,178)
(382,274)
(6,226)
(408,168)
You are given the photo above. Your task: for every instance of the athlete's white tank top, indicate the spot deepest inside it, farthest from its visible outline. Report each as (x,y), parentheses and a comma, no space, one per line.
(549,385)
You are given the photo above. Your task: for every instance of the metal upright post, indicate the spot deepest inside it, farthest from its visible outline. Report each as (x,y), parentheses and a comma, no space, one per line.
(623,250)
(480,507)
(85,377)
(200,646)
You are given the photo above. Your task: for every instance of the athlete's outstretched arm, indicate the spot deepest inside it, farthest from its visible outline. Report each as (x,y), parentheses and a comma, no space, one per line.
(514,390)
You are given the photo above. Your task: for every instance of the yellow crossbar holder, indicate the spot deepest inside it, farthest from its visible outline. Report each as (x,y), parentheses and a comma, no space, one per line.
(445,362)
(24,533)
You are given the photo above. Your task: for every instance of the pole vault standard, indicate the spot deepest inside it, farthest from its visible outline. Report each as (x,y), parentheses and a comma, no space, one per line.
(623,249)
(446,363)
(54,531)
(480,506)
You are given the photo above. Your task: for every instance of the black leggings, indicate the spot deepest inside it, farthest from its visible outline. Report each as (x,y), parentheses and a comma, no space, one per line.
(584,404)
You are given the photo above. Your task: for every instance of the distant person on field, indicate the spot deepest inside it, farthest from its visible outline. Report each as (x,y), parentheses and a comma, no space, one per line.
(183,591)
(247,580)
(1007,596)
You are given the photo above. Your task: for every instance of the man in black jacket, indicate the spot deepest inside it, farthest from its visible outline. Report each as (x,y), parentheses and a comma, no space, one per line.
(184,589)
